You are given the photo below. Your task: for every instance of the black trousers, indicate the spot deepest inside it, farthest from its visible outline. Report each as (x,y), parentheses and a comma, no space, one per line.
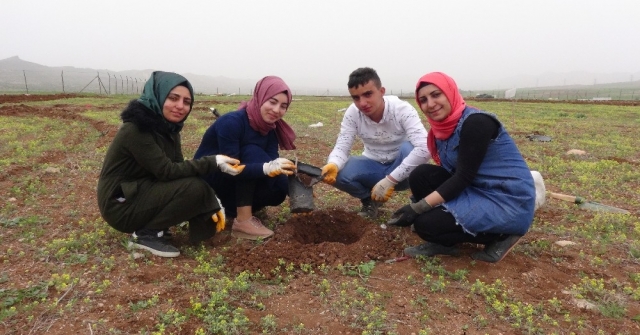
(159,205)
(437,225)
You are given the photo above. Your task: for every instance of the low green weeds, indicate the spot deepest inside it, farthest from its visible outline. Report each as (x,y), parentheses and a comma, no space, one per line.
(76,266)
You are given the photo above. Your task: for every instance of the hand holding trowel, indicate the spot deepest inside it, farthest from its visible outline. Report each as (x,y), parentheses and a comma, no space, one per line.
(586,204)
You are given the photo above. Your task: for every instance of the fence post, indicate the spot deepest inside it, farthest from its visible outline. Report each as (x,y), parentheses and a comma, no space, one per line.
(101,84)
(62,76)
(121,87)
(25,81)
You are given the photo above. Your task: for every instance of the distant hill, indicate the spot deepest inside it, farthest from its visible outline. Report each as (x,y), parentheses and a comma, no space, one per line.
(571,80)
(41,78)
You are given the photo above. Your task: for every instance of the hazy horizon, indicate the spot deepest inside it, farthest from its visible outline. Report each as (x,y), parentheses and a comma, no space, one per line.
(482,45)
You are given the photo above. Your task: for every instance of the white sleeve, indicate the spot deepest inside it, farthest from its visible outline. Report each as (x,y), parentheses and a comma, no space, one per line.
(348,130)
(417,135)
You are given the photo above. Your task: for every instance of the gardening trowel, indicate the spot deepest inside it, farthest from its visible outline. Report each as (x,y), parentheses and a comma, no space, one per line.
(586,204)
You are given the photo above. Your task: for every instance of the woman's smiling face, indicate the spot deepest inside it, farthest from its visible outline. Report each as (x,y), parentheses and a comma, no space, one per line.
(433,103)
(274,108)
(177,105)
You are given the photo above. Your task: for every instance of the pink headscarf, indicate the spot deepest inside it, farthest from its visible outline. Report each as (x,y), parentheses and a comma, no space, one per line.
(442,130)
(265,89)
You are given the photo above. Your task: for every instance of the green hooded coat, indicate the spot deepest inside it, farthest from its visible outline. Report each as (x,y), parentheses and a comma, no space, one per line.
(145,183)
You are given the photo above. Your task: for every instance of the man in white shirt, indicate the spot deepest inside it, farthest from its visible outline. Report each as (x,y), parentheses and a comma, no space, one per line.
(395,142)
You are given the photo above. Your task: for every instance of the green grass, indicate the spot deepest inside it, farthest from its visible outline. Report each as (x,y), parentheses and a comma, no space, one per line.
(74,270)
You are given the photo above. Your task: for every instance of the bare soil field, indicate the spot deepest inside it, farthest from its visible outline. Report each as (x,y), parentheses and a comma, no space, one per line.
(313,272)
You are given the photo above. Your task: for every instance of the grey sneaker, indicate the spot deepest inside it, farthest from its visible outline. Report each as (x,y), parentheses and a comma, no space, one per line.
(431,249)
(157,245)
(369,208)
(495,252)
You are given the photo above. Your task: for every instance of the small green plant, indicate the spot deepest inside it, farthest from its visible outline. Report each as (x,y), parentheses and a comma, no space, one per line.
(435,284)
(172,318)
(143,304)
(11,297)
(362,270)
(324,288)
(480,321)
(268,324)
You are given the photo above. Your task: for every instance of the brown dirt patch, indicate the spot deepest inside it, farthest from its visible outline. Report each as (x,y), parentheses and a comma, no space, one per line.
(330,236)
(15,98)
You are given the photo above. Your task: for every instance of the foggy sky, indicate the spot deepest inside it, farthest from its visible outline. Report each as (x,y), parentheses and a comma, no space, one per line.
(318,43)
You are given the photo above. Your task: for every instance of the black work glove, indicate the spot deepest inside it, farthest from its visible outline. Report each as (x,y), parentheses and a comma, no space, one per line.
(407,214)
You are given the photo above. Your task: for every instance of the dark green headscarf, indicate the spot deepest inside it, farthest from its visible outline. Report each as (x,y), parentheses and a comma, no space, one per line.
(157,89)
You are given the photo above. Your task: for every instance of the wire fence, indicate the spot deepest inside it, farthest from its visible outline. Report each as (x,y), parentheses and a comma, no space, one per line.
(69,81)
(102,82)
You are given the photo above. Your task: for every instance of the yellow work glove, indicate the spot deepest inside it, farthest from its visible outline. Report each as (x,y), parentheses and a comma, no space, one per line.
(383,190)
(229,165)
(330,172)
(218,218)
(278,166)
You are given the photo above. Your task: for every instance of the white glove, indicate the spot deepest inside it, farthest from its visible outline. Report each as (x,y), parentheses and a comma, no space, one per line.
(383,190)
(278,166)
(229,165)
(541,190)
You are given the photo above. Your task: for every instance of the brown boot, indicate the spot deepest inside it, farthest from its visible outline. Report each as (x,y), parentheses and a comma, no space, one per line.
(251,229)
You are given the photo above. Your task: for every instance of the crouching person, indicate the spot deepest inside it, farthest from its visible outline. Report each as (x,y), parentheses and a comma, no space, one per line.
(145,185)
(481,190)
(253,133)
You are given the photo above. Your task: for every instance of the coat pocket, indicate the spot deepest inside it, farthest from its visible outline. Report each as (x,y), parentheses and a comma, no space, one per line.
(129,189)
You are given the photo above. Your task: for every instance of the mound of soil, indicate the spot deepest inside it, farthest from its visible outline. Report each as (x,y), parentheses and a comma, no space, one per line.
(328,236)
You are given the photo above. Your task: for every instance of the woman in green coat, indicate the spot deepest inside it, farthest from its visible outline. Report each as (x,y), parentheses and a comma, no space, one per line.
(145,185)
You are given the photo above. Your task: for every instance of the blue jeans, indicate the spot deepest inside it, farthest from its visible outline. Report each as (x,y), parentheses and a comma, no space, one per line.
(360,173)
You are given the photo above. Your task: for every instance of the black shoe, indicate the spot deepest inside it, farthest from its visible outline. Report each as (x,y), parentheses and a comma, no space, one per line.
(431,249)
(157,245)
(369,208)
(495,251)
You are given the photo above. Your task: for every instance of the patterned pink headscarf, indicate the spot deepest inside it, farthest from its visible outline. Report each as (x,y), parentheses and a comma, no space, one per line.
(265,89)
(442,130)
